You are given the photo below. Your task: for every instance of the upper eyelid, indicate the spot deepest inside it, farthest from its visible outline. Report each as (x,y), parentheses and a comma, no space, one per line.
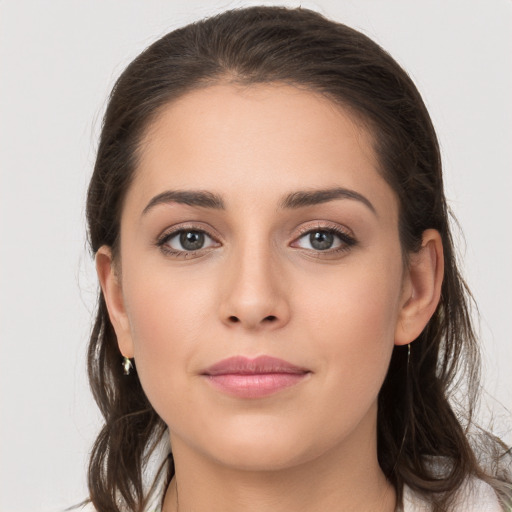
(174,230)
(302,230)
(325,226)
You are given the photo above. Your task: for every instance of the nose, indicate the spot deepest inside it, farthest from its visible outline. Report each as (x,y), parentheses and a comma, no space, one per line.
(254,292)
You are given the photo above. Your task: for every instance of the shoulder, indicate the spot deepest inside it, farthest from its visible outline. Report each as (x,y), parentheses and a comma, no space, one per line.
(474,496)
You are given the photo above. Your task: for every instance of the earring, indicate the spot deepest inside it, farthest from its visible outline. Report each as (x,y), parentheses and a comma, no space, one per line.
(127,365)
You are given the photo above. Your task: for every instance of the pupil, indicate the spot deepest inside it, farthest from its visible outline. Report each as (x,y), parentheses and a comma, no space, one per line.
(321,240)
(192,240)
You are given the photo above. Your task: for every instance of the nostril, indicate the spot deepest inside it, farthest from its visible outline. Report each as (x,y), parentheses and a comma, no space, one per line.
(234,320)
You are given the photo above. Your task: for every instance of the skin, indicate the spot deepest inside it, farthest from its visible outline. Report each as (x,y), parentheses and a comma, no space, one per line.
(258,287)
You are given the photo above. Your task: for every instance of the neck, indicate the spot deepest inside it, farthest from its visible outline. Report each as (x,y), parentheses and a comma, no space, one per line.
(340,480)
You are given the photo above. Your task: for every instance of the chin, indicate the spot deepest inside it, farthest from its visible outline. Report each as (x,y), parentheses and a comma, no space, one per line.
(261,457)
(264,446)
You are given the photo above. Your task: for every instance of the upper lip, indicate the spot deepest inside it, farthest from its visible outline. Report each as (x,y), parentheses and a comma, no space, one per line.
(241,365)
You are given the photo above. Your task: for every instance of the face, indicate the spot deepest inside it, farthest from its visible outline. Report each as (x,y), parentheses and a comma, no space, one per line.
(261,286)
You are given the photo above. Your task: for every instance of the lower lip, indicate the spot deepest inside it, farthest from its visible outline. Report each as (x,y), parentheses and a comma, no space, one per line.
(254,385)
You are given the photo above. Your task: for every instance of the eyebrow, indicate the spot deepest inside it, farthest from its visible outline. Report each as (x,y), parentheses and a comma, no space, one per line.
(200,198)
(305,198)
(295,200)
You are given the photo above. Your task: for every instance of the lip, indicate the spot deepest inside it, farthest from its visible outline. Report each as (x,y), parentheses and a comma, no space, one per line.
(253,378)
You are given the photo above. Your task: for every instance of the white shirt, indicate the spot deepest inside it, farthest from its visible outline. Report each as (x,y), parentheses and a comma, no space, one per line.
(474,496)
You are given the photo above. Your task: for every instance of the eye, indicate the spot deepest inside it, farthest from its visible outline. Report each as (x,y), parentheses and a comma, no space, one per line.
(186,241)
(325,239)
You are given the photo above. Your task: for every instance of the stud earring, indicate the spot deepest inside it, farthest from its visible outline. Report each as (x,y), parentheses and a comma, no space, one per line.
(127,365)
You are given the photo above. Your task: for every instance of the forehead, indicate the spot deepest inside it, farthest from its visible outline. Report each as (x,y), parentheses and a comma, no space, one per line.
(259,140)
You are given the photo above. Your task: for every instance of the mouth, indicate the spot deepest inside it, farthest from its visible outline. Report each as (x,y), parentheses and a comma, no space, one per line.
(254,378)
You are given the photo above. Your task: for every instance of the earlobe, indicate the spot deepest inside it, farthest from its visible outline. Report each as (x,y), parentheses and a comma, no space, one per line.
(422,288)
(112,291)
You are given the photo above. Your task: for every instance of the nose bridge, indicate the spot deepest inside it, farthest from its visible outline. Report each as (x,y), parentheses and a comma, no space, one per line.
(254,296)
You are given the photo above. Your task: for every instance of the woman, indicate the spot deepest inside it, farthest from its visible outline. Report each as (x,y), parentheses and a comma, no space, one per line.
(280,299)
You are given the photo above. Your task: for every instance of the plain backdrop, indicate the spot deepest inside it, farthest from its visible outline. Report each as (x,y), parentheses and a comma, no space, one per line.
(58,61)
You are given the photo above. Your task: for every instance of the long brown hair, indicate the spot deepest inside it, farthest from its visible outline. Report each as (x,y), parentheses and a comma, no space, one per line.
(416,419)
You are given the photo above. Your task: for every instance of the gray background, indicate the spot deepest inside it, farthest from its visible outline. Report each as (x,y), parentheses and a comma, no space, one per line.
(58,60)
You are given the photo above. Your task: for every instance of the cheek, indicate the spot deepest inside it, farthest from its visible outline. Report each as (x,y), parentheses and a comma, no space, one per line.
(351,321)
(361,299)
(166,308)
(166,319)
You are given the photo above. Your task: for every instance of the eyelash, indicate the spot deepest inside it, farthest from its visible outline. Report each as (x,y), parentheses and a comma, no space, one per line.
(347,241)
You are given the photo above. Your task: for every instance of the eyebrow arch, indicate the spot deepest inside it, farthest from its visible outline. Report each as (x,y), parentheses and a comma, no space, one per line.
(200,198)
(304,198)
(299,199)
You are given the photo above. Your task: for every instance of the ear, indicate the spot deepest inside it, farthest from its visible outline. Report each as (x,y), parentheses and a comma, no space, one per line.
(421,289)
(111,286)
